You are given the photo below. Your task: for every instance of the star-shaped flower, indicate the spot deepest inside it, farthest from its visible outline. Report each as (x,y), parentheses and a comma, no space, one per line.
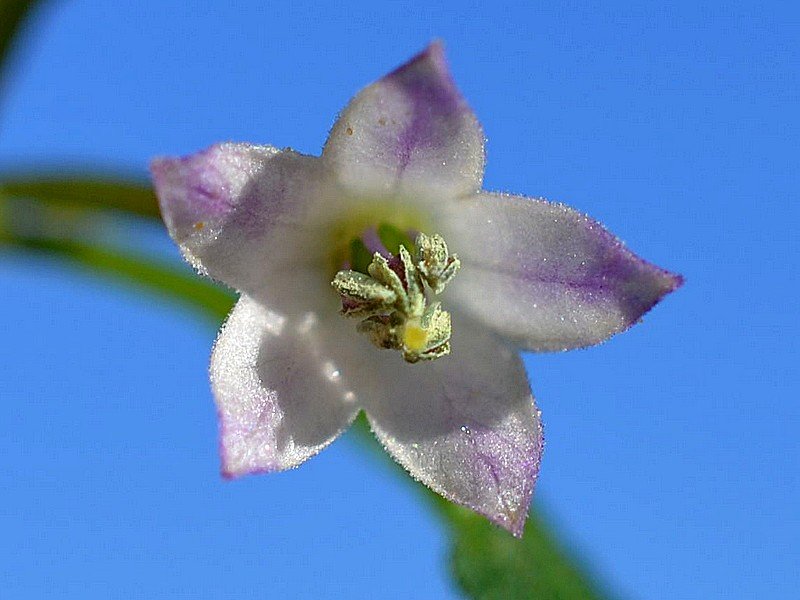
(390,226)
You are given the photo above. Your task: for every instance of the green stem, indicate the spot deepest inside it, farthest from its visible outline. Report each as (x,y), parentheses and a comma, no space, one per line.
(163,280)
(94,191)
(13,14)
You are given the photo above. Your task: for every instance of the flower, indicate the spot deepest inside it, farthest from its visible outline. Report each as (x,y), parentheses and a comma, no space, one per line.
(290,371)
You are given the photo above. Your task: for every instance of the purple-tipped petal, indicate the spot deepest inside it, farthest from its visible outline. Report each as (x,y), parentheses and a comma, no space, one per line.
(411,131)
(464,425)
(546,276)
(228,205)
(280,390)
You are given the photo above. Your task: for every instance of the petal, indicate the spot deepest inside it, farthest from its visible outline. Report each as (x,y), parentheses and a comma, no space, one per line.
(465,425)
(233,205)
(279,393)
(546,276)
(410,131)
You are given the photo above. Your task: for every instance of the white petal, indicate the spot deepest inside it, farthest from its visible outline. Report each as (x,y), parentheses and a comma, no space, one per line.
(279,387)
(407,133)
(465,424)
(544,275)
(238,210)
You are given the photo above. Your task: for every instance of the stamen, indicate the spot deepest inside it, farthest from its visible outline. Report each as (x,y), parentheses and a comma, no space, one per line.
(389,294)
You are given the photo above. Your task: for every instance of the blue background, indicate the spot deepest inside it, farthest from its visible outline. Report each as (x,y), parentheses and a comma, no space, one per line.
(672,455)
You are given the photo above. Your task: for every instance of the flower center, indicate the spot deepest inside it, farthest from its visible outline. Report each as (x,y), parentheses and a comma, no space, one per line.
(390,293)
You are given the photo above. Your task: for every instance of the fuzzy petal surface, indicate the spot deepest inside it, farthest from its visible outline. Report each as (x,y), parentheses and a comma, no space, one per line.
(410,131)
(278,388)
(545,276)
(464,425)
(234,208)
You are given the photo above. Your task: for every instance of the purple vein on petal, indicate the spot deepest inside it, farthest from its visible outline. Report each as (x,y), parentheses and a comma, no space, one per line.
(426,82)
(201,179)
(620,273)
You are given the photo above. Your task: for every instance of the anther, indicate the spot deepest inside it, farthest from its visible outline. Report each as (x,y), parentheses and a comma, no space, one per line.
(391,296)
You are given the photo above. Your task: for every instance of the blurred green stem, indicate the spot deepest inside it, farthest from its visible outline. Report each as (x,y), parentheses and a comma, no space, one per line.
(12,17)
(86,191)
(163,280)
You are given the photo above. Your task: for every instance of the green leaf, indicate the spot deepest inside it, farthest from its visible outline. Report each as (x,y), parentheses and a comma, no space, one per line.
(12,16)
(77,190)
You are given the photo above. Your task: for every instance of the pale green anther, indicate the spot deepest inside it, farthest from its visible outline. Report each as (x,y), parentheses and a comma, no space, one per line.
(396,308)
(437,322)
(380,270)
(414,287)
(367,295)
(436,266)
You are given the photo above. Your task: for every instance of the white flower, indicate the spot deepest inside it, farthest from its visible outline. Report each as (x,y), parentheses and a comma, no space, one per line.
(290,373)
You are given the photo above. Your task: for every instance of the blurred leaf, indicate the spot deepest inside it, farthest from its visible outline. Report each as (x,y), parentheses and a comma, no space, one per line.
(12,16)
(83,191)
(65,229)
(164,280)
(486,561)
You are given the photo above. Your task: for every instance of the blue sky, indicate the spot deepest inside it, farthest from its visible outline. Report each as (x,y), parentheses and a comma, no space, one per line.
(672,451)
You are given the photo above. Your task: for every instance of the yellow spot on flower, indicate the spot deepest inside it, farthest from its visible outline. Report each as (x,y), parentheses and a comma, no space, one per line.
(415,338)
(199,225)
